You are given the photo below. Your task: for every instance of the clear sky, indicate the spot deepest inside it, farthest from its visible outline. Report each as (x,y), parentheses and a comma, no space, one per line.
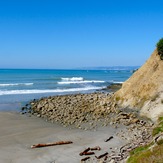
(78,33)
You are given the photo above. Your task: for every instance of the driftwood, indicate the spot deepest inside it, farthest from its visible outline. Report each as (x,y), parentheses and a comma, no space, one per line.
(89,153)
(101,156)
(121,149)
(111,137)
(85,151)
(95,148)
(84,159)
(106,157)
(115,157)
(51,144)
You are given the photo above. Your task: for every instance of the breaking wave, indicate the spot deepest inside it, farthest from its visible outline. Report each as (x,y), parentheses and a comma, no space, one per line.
(118,82)
(35,91)
(73,79)
(81,82)
(78,80)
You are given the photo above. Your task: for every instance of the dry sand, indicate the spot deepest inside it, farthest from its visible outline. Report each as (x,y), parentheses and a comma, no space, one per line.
(19,132)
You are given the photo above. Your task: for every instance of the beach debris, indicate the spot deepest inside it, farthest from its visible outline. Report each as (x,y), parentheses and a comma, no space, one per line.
(111,137)
(101,156)
(115,157)
(77,110)
(86,151)
(89,153)
(95,148)
(84,159)
(106,157)
(51,144)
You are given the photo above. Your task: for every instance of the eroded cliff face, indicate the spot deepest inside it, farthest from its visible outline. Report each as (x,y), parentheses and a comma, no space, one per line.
(144,89)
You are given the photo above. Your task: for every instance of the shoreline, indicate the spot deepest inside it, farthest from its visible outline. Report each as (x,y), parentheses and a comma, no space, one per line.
(91,112)
(18,103)
(19,132)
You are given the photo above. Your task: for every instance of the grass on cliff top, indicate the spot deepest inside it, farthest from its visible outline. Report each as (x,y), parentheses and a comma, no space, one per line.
(143,154)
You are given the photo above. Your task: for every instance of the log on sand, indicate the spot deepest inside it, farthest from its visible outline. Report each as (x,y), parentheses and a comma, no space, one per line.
(101,156)
(86,151)
(51,144)
(84,159)
(95,148)
(111,137)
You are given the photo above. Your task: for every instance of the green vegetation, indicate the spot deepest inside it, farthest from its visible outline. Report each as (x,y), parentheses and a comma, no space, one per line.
(159,128)
(160,142)
(117,98)
(160,48)
(139,149)
(160,119)
(147,153)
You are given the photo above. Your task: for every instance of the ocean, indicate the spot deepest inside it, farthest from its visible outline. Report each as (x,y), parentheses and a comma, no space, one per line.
(19,86)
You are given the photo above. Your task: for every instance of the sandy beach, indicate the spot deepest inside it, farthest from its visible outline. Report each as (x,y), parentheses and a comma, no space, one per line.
(18,132)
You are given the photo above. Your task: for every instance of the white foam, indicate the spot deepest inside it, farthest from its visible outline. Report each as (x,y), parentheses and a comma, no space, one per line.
(120,82)
(35,91)
(14,84)
(81,82)
(73,79)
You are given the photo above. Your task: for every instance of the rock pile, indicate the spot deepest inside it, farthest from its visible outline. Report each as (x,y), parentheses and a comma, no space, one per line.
(80,110)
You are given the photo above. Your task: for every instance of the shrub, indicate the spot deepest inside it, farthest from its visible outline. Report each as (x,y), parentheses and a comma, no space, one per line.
(117,98)
(160,48)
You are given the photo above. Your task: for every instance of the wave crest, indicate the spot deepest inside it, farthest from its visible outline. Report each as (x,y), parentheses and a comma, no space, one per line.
(16,92)
(73,79)
(81,82)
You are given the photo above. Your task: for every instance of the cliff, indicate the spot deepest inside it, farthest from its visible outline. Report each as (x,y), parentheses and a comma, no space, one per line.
(144,89)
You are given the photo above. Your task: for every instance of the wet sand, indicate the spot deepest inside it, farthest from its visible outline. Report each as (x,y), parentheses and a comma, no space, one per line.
(19,132)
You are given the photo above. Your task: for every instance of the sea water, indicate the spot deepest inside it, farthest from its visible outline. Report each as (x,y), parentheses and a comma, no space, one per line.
(19,86)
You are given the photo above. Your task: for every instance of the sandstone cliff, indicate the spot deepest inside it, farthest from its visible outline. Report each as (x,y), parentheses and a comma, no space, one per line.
(144,89)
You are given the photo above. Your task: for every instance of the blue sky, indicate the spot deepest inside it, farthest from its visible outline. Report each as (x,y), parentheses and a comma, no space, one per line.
(78,33)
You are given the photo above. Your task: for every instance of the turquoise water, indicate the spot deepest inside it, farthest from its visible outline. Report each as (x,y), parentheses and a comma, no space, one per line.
(18,86)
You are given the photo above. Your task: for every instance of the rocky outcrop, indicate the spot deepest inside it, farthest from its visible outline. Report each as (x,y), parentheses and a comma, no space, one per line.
(80,110)
(84,111)
(144,89)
